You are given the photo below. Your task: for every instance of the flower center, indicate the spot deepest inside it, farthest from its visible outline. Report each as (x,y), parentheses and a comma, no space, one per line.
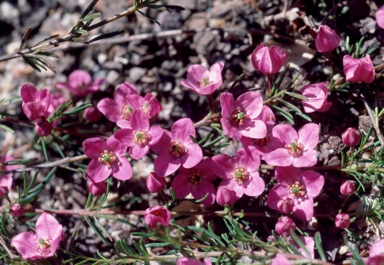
(127,112)
(107,157)
(177,149)
(237,117)
(44,246)
(262,142)
(240,175)
(204,82)
(297,189)
(295,149)
(144,108)
(141,138)
(195,177)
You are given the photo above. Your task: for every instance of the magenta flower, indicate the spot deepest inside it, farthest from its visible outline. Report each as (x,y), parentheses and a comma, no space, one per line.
(43,243)
(317,95)
(301,187)
(196,180)
(155,183)
(107,159)
(342,220)
(56,100)
(284,226)
(176,148)
(376,253)
(309,244)
(240,117)
(35,103)
(6,178)
(351,137)
(92,114)
(268,60)
(347,188)
(140,136)
(80,83)
(298,147)
(43,127)
(280,260)
(358,70)
(326,39)
(204,81)
(190,261)
(96,188)
(226,196)
(380,17)
(157,215)
(17,210)
(240,173)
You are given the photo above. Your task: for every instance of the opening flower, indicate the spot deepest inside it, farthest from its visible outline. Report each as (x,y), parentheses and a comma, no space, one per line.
(43,243)
(268,60)
(300,187)
(284,226)
(157,215)
(240,117)
(80,83)
(327,39)
(176,148)
(358,70)
(107,159)
(204,81)
(35,103)
(196,180)
(317,95)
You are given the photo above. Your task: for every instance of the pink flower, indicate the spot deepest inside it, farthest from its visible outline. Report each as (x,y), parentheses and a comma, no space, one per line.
(43,243)
(43,127)
(107,159)
(190,261)
(92,114)
(268,60)
(240,117)
(380,17)
(351,137)
(284,226)
(347,188)
(358,70)
(80,83)
(176,148)
(326,40)
(140,136)
(96,188)
(376,253)
(309,244)
(6,179)
(196,180)
(155,183)
(157,215)
(280,260)
(204,81)
(317,95)
(56,100)
(35,103)
(17,210)
(297,148)
(299,186)
(342,220)
(240,173)
(226,196)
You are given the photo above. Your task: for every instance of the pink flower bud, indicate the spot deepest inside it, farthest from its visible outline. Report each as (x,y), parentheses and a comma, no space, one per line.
(347,188)
(97,188)
(342,220)
(157,215)
(317,95)
(351,136)
(226,196)
(155,183)
(17,210)
(380,17)
(3,191)
(358,70)
(43,127)
(268,60)
(327,39)
(286,205)
(92,114)
(284,225)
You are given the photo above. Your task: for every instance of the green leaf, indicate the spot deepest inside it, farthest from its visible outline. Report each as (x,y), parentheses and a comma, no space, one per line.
(105,36)
(319,246)
(91,17)
(6,128)
(289,105)
(285,114)
(78,109)
(295,95)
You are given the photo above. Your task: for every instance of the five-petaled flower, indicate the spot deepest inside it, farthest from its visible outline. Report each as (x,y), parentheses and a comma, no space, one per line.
(204,81)
(196,180)
(43,243)
(107,159)
(80,83)
(240,173)
(240,116)
(35,103)
(176,148)
(297,148)
(300,187)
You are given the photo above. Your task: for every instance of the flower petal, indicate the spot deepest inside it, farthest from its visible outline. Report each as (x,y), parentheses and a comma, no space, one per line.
(94,146)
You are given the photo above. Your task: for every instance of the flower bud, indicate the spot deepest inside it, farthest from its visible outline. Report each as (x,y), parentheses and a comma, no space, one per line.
(380,17)
(317,95)
(43,127)
(155,183)
(347,188)
(342,220)
(157,215)
(351,136)
(17,210)
(268,60)
(285,205)
(358,70)
(327,39)
(284,225)
(97,189)
(3,191)
(226,196)
(92,114)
